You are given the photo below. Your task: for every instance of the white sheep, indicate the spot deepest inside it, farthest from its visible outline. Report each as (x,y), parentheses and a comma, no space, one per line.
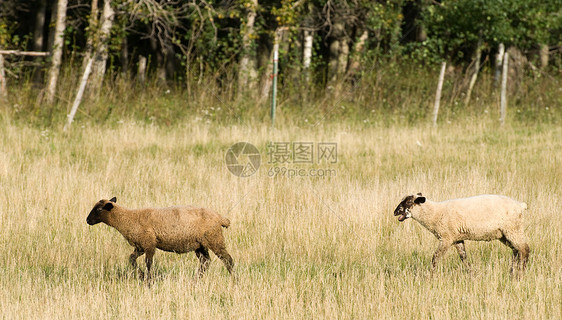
(173,229)
(478,218)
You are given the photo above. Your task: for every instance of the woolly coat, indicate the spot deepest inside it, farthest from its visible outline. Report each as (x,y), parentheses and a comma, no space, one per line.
(483,217)
(173,229)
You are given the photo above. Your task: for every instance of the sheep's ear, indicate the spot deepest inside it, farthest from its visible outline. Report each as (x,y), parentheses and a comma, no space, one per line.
(419,194)
(113,199)
(108,206)
(419,200)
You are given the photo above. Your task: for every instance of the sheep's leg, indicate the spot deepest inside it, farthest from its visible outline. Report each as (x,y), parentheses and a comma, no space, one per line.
(133,260)
(515,253)
(443,247)
(523,258)
(462,253)
(204,260)
(216,244)
(220,251)
(520,253)
(149,253)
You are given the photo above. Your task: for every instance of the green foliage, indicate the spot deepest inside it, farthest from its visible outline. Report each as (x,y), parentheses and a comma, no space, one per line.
(9,39)
(461,24)
(203,41)
(384,19)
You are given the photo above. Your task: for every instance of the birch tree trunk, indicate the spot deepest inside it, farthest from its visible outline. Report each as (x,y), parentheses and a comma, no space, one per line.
(57,51)
(101,54)
(92,33)
(247,73)
(498,66)
(307,53)
(438,93)
(503,95)
(79,94)
(478,56)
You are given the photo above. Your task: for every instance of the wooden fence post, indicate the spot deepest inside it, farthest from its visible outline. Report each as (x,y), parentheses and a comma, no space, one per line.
(503,98)
(80,93)
(3,93)
(438,93)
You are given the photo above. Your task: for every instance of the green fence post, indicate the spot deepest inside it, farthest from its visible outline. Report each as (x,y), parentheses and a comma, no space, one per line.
(274,84)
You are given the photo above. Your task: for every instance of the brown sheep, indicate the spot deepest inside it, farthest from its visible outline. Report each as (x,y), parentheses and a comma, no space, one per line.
(173,229)
(478,218)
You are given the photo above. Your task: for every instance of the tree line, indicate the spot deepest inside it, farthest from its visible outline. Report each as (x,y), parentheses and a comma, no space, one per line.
(321,42)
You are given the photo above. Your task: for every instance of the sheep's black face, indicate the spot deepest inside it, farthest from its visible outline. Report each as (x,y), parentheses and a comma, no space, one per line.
(100,209)
(403,209)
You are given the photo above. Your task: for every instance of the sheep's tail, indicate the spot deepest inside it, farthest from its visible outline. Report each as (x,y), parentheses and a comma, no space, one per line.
(225,223)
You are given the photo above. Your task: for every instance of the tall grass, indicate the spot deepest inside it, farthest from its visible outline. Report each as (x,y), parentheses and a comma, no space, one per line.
(304,247)
(390,93)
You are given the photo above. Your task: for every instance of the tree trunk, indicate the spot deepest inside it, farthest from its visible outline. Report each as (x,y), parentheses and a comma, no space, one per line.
(92,31)
(478,56)
(170,63)
(93,27)
(52,22)
(247,73)
(3,93)
(498,66)
(101,47)
(503,96)
(343,57)
(307,53)
(39,25)
(356,56)
(141,71)
(544,55)
(79,94)
(38,36)
(333,60)
(339,52)
(268,75)
(438,93)
(160,65)
(57,50)
(124,57)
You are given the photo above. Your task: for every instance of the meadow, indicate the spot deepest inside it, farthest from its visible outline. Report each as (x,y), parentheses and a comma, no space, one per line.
(304,246)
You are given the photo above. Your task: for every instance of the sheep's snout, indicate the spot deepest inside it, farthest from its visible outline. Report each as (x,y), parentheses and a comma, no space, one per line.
(94,216)
(403,210)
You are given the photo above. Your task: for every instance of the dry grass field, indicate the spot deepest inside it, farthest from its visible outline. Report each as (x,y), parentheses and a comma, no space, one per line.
(304,246)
